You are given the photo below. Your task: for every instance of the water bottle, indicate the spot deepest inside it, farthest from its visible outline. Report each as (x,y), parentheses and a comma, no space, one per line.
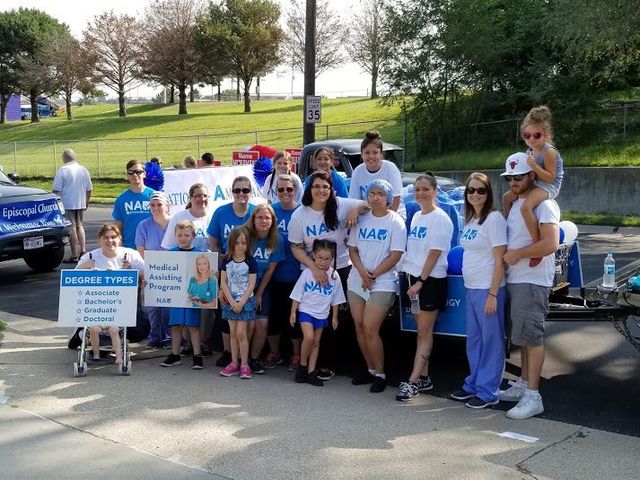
(415,305)
(609,274)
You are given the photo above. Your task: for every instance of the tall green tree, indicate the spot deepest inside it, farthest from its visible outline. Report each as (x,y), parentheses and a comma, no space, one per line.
(169,53)
(25,67)
(9,53)
(242,36)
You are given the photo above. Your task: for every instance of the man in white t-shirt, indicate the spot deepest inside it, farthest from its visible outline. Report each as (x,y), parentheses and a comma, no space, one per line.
(528,286)
(73,184)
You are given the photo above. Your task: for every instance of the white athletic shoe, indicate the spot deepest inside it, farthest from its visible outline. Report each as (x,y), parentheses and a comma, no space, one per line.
(514,393)
(528,406)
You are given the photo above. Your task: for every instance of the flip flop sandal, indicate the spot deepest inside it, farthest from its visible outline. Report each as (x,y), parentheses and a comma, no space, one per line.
(70,260)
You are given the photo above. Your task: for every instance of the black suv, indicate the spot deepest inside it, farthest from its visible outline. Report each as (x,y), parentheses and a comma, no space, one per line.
(32,225)
(348,157)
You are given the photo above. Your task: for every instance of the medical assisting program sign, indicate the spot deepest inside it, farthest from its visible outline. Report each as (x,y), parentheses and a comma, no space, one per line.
(181,279)
(98,297)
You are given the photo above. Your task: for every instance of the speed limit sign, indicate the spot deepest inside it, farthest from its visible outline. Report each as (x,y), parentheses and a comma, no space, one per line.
(313,111)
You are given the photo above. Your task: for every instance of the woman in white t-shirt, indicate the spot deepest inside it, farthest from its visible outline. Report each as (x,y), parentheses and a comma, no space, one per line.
(373,167)
(425,263)
(281,166)
(485,242)
(376,245)
(197,212)
(110,256)
(324,216)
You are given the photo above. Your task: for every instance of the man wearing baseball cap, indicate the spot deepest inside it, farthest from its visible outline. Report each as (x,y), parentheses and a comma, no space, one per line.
(528,287)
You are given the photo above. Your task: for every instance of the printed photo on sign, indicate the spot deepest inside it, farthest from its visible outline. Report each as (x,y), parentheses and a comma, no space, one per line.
(98,298)
(181,279)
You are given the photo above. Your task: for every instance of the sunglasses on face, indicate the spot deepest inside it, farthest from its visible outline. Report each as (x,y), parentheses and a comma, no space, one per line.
(527,135)
(515,178)
(238,191)
(479,191)
(135,172)
(285,189)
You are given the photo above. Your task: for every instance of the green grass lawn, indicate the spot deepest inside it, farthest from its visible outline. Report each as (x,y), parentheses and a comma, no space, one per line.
(104,142)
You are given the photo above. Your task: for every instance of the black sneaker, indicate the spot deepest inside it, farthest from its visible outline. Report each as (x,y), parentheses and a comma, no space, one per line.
(197,362)
(206,352)
(325,374)
(477,402)
(363,378)
(312,379)
(461,395)
(256,367)
(75,341)
(379,384)
(186,351)
(172,360)
(407,391)
(301,374)
(224,359)
(424,384)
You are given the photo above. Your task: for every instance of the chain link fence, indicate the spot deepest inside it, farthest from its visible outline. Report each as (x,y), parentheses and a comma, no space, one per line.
(599,126)
(107,158)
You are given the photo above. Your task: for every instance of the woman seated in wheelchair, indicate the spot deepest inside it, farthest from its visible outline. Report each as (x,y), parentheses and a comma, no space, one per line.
(110,256)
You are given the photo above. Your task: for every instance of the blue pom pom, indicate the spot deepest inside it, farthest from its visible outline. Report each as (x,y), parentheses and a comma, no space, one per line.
(455,260)
(262,169)
(154,176)
(561,236)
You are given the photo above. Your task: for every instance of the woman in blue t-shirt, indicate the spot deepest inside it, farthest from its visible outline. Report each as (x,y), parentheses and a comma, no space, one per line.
(284,279)
(323,162)
(267,250)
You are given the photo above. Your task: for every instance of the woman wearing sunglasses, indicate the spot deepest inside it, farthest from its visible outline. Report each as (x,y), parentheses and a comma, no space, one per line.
(132,206)
(485,242)
(281,166)
(225,218)
(284,279)
(545,161)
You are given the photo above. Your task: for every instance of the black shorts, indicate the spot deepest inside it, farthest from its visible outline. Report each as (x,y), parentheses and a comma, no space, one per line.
(433,294)
(280,310)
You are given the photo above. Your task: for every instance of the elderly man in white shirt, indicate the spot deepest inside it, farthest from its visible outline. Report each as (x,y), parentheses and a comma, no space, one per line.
(73,184)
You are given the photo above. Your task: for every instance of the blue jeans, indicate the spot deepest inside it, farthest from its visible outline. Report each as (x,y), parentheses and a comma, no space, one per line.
(158,320)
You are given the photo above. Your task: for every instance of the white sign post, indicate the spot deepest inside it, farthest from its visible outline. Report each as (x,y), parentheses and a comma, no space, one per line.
(98,298)
(313,112)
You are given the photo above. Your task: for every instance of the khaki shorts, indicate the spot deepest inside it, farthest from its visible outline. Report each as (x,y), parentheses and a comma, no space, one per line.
(382,300)
(74,216)
(528,309)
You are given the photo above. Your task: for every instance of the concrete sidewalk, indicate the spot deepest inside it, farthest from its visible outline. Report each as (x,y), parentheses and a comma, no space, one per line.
(180,423)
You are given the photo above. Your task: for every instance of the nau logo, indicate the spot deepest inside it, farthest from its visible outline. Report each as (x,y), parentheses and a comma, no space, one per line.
(136,206)
(372,234)
(317,288)
(227,229)
(363,192)
(282,226)
(261,254)
(316,230)
(418,232)
(469,234)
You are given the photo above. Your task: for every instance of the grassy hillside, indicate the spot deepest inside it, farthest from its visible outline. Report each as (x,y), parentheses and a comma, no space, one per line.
(105,142)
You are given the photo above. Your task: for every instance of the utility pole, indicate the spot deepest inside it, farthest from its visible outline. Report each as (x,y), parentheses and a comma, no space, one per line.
(309,129)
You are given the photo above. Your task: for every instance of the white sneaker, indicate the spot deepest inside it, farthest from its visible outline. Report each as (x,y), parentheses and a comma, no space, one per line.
(529,406)
(514,393)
